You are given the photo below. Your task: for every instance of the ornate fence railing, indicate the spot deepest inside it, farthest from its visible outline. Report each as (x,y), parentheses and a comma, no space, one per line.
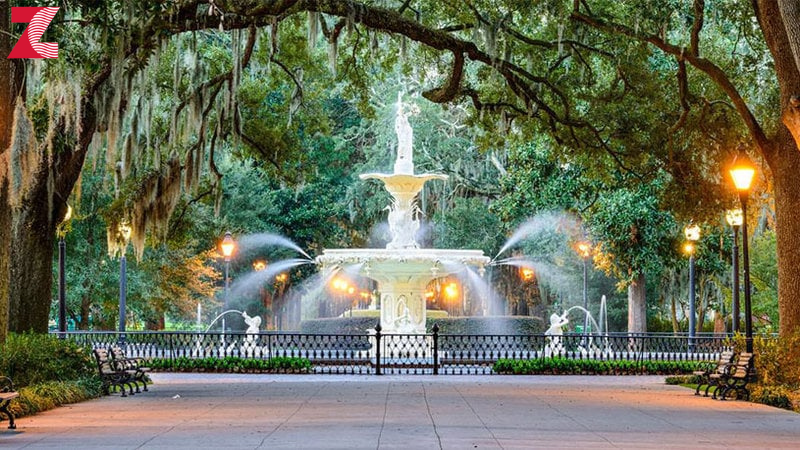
(377,353)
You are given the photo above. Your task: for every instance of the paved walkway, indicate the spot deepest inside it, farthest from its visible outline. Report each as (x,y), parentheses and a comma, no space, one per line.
(407,412)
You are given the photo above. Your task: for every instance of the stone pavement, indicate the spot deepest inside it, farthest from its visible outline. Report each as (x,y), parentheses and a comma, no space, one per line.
(407,412)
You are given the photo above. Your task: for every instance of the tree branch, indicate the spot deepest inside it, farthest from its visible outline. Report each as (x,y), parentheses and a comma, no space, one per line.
(714,72)
(683,90)
(449,91)
(697,25)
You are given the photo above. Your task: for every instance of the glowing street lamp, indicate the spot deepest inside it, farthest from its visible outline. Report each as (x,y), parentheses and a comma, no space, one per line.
(584,250)
(451,291)
(259,265)
(227,246)
(692,234)
(742,171)
(61,231)
(125,232)
(735,220)
(526,273)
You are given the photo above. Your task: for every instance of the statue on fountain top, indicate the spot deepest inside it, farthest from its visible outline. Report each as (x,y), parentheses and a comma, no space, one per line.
(405,138)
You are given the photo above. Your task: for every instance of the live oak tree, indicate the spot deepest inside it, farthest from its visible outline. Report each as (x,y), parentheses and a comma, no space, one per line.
(567,69)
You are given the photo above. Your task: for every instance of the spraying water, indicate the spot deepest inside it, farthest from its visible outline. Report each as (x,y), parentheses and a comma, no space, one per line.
(540,223)
(250,284)
(220,316)
(259,240)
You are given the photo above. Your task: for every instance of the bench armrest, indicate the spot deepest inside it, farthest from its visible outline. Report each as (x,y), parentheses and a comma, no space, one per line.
(6,384)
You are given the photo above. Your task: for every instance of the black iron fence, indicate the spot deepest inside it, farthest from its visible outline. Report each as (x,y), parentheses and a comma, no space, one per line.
(434,353)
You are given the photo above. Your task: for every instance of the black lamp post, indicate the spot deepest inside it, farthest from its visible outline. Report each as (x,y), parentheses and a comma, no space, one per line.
(125,233)
(734,218)
(62,282)
(227,246)
(742,172)
(692,234)
(584,251)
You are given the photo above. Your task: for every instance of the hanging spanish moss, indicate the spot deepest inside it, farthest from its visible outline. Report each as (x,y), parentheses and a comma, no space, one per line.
(24,155)
(297,94)
(333,54)
(313,29)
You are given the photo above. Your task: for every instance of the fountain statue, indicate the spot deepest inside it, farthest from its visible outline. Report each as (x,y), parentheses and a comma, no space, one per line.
(402,269)
(554,334)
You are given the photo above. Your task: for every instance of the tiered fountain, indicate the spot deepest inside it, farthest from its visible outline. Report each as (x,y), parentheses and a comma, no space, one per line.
(402,269)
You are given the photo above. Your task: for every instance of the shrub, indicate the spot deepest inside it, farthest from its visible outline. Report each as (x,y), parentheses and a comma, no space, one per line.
(510,325)
(30,359)
(232,364)
(566,366)
(772,395)
(49,394)
(683,379)
(338,325)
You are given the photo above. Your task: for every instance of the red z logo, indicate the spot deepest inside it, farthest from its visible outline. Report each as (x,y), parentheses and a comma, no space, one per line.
(28,45)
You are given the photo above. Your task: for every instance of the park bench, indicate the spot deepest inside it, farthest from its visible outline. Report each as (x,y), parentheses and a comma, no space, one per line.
(737,379)
(7,393)
(112,376)
(122,362)
(711,368)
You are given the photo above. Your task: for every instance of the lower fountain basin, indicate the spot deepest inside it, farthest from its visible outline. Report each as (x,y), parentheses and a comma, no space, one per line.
(402,276)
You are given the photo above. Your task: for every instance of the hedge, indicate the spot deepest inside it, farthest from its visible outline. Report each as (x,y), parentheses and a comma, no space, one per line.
(338,325)
(231,364)
(510,325)
(566,366)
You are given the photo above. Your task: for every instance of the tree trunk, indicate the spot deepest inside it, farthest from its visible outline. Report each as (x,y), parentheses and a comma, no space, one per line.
(33,235)
(10,88)
(780,26)
(637,308)
(785,167)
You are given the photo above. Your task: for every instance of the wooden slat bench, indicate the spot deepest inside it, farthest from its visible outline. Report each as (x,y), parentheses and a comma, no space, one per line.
(739,377)
(123,363)
(112,376)
(723,363)
(7,393)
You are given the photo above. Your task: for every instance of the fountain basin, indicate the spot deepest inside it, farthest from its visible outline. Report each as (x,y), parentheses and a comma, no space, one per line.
(402,276)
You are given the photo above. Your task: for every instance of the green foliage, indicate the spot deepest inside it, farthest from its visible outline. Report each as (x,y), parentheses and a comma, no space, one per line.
(30,359)
(566,366)
(469,224)
(778,396)
(777,360)
(232,364)
(338,325)
(764,280)
(512,325)
(684,380)
(635,235)
(777,364)
(50,394)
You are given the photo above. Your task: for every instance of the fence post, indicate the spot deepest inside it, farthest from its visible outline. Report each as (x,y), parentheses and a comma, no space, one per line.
(435,330)
(171,352)
(378,329)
